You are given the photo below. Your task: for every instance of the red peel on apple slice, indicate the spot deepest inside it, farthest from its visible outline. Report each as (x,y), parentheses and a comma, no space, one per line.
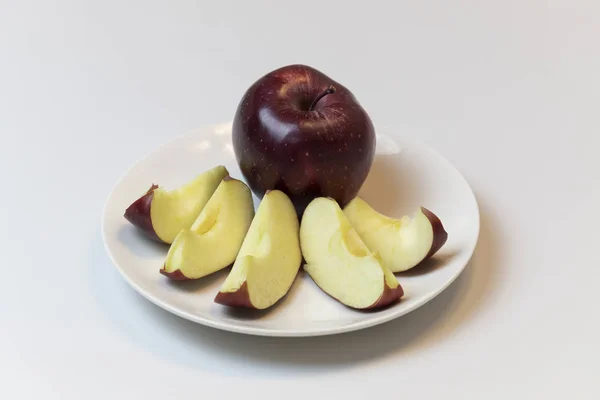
(138,213)
(240,298)
(389,296)
(175,275)
(440,236)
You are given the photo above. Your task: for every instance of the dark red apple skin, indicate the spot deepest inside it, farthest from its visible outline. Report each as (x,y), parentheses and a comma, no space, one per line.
(389,296)
(175,275)
(440,236)
(238,299)
(280,142)
(138,213)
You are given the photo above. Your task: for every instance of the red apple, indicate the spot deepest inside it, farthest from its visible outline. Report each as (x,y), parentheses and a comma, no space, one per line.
(299,131)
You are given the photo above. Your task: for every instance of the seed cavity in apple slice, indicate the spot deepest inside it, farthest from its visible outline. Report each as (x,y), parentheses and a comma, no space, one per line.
(269,259)
(215,238)
(340,263)
(161,214)
(402,243)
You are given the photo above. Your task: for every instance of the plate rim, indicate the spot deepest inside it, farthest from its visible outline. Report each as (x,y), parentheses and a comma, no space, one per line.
(257,331)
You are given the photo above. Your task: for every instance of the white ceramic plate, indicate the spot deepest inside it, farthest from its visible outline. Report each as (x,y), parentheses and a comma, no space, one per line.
(405,175)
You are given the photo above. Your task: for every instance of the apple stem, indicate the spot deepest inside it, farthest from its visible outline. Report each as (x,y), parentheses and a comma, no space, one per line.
(329,90)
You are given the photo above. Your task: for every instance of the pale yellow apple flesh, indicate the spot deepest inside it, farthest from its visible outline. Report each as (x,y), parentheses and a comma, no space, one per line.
(269,259)
(214,239)
(161,214)
(177,209)
(340,263)
(402,243)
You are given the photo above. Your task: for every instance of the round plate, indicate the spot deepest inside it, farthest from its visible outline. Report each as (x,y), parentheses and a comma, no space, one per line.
(405,175)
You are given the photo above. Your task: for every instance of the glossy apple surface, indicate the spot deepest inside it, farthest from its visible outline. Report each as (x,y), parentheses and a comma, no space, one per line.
(299,131)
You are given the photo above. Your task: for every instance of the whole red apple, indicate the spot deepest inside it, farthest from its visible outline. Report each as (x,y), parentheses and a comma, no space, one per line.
(301,132)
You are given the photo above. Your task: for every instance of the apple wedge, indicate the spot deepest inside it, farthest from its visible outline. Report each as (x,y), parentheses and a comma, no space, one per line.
(161,214)
(269,259)
(402,243)
(215,238)
(340,263)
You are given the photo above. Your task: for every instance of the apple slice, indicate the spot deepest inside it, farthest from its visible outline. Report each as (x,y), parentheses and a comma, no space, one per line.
(402,243)
(340,263)
(269,259)
(161,214)
(215,238)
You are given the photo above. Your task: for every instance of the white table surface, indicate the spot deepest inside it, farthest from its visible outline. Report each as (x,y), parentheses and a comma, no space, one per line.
(508,91)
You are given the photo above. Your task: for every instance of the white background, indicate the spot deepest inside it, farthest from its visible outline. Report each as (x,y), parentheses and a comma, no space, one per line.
(508,91)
